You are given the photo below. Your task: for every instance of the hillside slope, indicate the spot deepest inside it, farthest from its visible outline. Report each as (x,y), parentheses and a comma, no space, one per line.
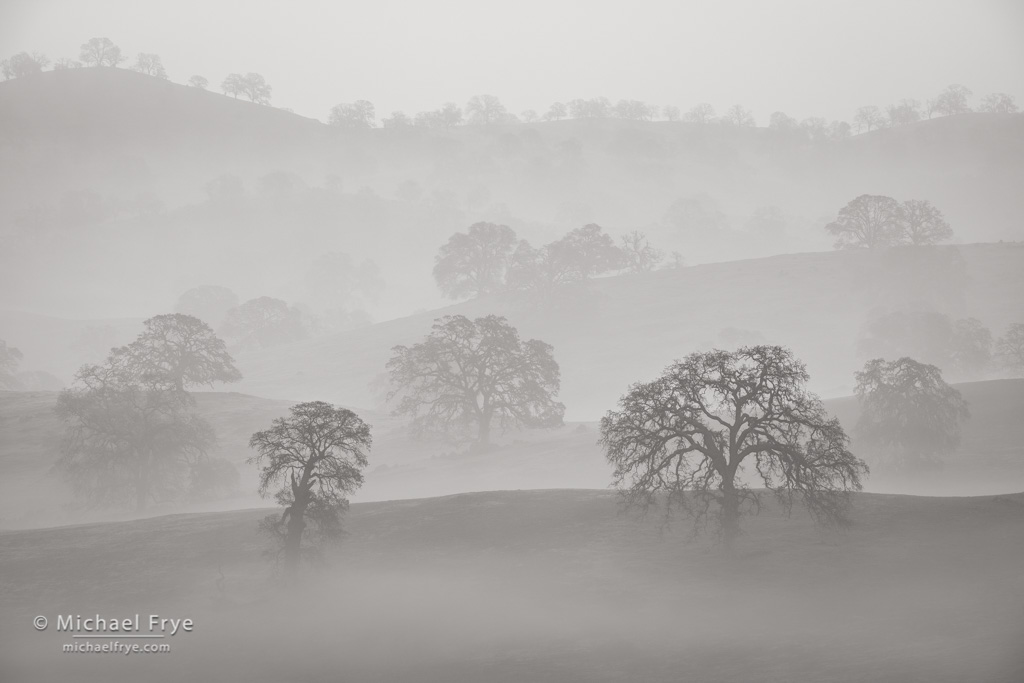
(545,586)
(103,170)
(628,328)
(990,458)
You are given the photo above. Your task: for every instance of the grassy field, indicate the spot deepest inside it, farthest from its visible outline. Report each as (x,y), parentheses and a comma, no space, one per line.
(540,586)
(990,459)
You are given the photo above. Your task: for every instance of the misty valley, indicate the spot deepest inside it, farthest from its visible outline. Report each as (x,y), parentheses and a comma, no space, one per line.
(602,390)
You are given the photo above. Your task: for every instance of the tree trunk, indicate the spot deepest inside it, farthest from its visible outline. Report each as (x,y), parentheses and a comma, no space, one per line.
(730,515)
(293,536)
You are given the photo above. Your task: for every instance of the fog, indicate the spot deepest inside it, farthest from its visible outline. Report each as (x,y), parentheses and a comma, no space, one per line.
(558,341)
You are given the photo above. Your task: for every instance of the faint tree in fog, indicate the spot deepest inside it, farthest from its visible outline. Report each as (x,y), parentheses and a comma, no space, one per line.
(529,116)
(150,64)
(634,110)
(908,408)
(65,63)
(251,86)
(581,254)
(233,84)
(1010,349)
(317,455)
(225,190)
(738,115)
(952,101)
(783,123)
(868,118)
(198,82)
(130,438)
(23,64)
(907,111)
(701,113)
(671,112)
(962,347)
(839,130)
(359,115)
(101,52)
(640,256)
(556,112)
(10,358)
(468,374)
(255,88)
(696,215)
(815,129)
(686,434)
(335,283)
(594,108)
(179,350)
(450,115)
(869,221)
(922,223)
(398,119)
(262,323)
(474,262)
(999,103)
(485,110)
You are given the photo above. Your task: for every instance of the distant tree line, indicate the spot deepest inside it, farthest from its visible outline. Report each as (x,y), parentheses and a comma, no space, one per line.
(490,258)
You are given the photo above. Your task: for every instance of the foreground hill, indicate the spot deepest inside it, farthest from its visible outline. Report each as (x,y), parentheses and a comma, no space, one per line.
(627,328)
(542,586)
(990,458)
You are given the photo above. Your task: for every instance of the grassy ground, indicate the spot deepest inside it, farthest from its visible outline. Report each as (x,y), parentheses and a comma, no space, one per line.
(540,586)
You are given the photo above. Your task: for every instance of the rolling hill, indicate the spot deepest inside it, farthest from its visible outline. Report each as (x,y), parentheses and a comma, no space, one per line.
(107,207)
(543,586)
(990,459)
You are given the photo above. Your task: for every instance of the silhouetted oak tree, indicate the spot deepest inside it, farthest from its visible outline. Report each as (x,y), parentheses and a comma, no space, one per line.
(905,405)
(179,349)
(317,453)
(474,262)
(1009,348)
(468,374)
(922,223)
(689,433)
(130,438)
(871,221)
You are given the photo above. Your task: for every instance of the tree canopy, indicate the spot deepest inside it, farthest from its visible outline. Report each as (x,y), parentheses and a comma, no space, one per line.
(469,374)
(907,407)
(317,454)
(689,435)
(474,262)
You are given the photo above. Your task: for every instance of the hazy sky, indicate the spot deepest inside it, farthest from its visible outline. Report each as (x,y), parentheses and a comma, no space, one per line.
(804,57)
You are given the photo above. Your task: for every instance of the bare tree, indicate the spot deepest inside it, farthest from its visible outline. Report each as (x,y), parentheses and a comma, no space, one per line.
(357,115)
(701,113)
(556,112)
(101,52)
(486,110)
(10,358)
(1010,348)
(468,374)
(999,103)
(905,405)
(907,111)
(670,112)
(868,118)
(23,64)
(740,116)
(198,82)
(131,437)
(952,101)
(179,350)
(317,454)
(640,256)
(474,262)
(922,223)
(687,435)
(150,64)
(870,221)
